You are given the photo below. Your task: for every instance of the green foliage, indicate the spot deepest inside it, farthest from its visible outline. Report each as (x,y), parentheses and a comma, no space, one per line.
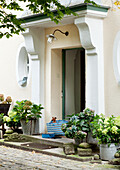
(11,25)
(9,120)
(105,129)
(90,2)
(79,124)
(117,121)
(1,116)
(26,110)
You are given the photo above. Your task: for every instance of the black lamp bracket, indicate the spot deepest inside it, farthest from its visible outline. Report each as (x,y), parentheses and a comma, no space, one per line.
(66,33)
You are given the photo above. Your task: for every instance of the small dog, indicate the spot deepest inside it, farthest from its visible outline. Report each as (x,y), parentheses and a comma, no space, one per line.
(53,119)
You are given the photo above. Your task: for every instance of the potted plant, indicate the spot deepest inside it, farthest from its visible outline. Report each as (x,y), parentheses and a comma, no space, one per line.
(78,125)
(9,120)
(73,131)
(4,104)
(4,107)
(28,113)
(107,132)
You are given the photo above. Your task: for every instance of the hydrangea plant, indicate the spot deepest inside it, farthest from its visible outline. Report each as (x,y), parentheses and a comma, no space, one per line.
(26,110)
(5,101)
(78,125)
(106,130)
(9,120)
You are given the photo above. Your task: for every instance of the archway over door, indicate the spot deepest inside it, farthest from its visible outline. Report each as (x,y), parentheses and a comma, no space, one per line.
(73,81)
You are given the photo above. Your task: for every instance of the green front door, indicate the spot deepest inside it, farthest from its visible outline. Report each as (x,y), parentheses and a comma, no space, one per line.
(73,81)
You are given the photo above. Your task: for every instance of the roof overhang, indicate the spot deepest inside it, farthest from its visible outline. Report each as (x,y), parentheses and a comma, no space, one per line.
(42,20)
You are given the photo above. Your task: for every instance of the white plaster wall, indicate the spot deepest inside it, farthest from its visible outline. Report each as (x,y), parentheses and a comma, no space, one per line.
(8,81)
(56,83)
(62,42)
(112,90)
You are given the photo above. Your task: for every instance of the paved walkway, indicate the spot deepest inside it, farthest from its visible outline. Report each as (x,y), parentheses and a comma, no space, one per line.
(15,159)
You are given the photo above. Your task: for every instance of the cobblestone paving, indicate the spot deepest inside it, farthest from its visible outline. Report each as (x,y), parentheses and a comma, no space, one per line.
(15,159)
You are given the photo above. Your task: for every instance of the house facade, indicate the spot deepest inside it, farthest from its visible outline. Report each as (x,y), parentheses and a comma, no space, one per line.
(73,72)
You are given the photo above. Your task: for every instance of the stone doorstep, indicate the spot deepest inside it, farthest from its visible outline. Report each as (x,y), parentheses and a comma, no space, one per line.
(47,141)
(53,142)
(57,152)
(54,152)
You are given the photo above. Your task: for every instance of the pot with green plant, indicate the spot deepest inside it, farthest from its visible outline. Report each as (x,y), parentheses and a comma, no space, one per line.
(107,132)
(9,120)
(78,125)
(4,104)
(28,113)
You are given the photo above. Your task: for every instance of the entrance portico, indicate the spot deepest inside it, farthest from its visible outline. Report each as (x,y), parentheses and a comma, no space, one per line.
(90,27)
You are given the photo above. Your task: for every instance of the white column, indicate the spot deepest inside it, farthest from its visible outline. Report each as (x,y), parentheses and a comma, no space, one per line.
(36,81)
(35,45)
(37,91)
(91,37)
(92,83)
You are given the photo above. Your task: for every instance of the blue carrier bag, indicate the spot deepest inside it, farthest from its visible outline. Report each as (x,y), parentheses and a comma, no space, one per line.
(56,127)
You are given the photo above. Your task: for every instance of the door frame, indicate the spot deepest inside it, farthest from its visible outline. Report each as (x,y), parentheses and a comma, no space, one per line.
(63,77)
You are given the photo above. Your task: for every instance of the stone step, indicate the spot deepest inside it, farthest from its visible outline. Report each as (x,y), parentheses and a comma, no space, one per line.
(84,152)
(50,141)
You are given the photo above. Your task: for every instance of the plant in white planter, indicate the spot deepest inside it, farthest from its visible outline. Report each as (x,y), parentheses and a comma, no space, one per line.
(107,132)
(28,113)
(78,125)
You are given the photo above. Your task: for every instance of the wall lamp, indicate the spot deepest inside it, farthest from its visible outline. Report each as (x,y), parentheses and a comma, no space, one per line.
(23,82)
(52,37)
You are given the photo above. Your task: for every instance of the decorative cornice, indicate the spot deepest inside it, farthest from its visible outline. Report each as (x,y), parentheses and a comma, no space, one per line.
(75,8)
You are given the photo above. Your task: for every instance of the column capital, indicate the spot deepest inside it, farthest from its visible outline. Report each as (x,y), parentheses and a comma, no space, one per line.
(90,28)
(29,41)
(35,42)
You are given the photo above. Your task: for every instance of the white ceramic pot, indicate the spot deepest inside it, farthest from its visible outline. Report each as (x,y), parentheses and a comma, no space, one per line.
(107,153)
